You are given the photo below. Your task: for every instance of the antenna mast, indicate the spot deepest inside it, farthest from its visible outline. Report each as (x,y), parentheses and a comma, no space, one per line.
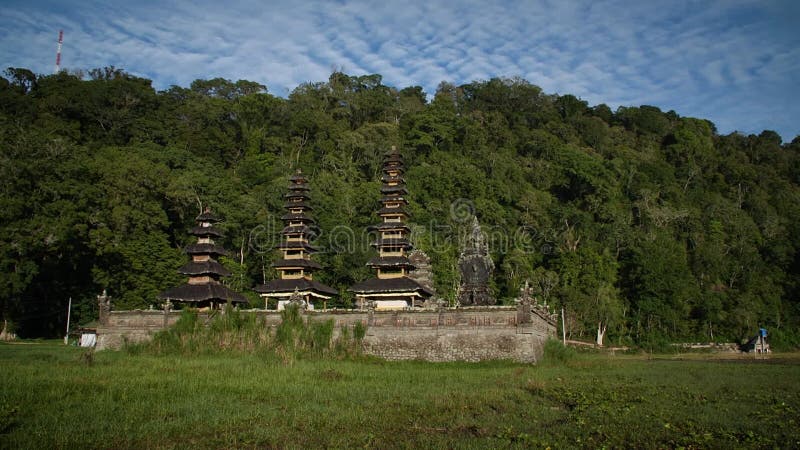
(58,52)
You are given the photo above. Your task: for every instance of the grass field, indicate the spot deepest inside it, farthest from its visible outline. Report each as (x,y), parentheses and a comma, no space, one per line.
(58,397)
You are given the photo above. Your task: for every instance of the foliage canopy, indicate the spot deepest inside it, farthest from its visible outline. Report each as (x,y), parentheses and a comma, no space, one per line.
(647,222)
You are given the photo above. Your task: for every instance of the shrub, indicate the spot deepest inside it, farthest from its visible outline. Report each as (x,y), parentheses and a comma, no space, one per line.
(657,343)
(289,331)
(321,334)
(187,322)
(359,331)
(782,339)
(557,353)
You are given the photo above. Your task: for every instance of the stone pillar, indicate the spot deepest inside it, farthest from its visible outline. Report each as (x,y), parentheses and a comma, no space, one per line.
(523,313)
(167,305)
(370,313)
(104,307)
(524,305)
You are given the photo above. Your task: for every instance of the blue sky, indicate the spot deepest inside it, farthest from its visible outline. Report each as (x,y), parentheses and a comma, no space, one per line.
(734,62)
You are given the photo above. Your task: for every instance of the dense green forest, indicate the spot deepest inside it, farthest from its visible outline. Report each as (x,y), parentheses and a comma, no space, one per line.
(642,221)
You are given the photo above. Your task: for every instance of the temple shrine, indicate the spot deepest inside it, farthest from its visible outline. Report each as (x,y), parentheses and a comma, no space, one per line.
(476,267)
(392,287)
(296,268)
(203,289)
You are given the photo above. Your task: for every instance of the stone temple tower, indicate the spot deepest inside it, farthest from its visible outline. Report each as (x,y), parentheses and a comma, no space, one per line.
(476,267)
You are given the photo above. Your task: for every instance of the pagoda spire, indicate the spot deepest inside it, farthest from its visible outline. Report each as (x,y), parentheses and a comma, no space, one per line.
(203,288)
(392,266)
(296,268)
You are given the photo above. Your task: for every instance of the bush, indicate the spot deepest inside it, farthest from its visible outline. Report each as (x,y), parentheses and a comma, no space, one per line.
(783,340)
(359,331)
(321,334)
(187,322)
(289,331)
(174,340)
(657,343)
(557,353)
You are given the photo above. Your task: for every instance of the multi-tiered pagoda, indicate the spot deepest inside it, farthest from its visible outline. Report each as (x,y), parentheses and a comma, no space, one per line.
(203,289)
(296,268)
(392,286)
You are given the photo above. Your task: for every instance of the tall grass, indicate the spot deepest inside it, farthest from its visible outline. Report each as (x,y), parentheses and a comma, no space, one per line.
(233,331)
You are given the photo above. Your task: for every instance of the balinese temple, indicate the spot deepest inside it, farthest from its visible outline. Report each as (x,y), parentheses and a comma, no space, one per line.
(392,286)
(203,289)
(476,267)
(296,268)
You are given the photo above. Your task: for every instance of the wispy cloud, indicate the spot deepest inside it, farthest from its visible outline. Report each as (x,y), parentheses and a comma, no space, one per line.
(735,62)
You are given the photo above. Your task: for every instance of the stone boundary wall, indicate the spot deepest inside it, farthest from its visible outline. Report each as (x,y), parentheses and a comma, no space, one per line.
(448,334)
(730,347)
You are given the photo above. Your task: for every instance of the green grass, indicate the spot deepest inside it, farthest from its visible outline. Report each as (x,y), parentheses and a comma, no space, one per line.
(58,397)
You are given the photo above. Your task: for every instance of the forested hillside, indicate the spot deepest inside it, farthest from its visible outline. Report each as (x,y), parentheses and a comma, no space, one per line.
(640,220)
